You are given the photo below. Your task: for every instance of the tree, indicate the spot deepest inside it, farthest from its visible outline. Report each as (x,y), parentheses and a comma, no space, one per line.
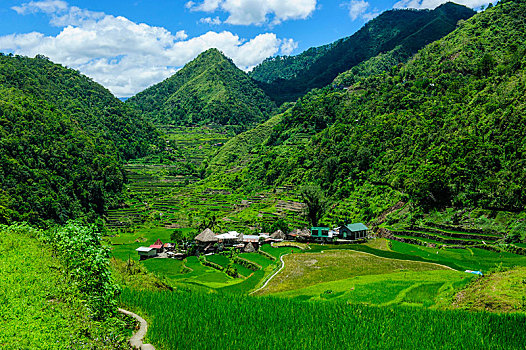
(315,201)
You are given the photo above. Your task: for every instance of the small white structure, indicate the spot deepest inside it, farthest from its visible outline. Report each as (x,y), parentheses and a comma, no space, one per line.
(231,235)
(230,238)
(146,252)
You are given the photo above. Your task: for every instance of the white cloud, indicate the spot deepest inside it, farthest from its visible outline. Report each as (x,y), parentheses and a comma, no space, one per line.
(126,57)
(288,46)
(431,4)
(359,9)
(246,12)
(46,6)
(181,35)
(212,21)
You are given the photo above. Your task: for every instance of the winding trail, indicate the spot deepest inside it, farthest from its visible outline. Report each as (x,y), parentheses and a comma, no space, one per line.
(271,277)
(136,340)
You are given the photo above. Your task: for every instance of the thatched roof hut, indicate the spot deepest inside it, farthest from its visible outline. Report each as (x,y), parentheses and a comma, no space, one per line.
(249,248)
(278,235)
(207,236)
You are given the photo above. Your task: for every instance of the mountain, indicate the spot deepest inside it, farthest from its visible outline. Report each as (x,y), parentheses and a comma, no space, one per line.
(63,139)
(445,129)
(209,89)
(287,78)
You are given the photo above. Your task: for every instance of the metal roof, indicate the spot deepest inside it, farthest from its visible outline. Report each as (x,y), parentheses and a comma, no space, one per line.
(229,235)
(144,249)
(357,227)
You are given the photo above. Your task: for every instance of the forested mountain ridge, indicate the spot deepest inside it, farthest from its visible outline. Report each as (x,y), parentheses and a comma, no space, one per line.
(209,89)
(446,128)
(89,103)
(63,138)
(286,79)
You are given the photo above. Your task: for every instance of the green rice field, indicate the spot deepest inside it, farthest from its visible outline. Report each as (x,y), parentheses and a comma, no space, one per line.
(193,320)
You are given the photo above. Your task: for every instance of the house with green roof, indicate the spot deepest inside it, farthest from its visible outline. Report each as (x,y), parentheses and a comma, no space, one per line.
(322,234)
(353,231)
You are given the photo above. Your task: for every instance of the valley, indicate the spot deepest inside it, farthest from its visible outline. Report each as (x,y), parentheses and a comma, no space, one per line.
(367,193)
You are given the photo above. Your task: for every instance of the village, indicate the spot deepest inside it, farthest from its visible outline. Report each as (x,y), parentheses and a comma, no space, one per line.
(207,242)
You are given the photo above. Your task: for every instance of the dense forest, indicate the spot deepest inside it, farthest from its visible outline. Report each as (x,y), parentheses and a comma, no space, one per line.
(63,139)
(446,128)
(407,31)
(209,89)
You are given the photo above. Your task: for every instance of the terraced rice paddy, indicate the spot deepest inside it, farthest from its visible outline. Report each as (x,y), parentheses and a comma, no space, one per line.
(309,269)
(193,320)
(440,236)
(462,259)
(414,288)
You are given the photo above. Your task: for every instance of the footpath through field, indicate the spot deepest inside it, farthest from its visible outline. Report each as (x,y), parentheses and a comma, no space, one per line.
(271,277)
(136,340)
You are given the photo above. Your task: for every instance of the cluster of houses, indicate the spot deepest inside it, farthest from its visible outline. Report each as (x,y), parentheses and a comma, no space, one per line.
(208,242)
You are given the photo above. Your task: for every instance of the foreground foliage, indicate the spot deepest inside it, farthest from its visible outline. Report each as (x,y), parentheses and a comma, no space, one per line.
(42,297)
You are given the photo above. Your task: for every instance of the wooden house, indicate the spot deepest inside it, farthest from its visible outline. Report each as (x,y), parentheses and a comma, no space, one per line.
(299,235)
(146,252)
(278,236)
(206,240)
(353,231)
(253,240)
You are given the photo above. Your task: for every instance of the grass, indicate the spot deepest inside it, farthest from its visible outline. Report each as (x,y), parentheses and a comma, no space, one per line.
(243,271)
(277,252)
(170,268)
(245,286)
(186,320)
(462,259)
(384,289)
(503,291)
(219,259)
(257,258)
(303,270)
(40,307)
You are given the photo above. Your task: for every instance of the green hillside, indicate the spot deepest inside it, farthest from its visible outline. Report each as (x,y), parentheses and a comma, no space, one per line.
(210,89)
(63,138)
(286,79)
(445,129)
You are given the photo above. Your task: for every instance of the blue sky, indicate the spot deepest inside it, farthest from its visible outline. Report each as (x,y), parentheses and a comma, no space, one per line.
(129,45)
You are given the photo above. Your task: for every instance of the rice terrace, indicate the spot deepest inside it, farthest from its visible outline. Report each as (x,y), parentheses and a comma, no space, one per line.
(228,174)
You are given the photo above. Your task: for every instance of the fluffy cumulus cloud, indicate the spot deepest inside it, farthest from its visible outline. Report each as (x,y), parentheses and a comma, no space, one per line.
(125,56)
(361,9)
(246,12)
(431,4)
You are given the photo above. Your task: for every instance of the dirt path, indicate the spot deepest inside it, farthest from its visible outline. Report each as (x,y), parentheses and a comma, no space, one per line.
(136,339)
(271,277)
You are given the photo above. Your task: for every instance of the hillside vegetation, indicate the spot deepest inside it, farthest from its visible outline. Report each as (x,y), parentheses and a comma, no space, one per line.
(405,31)
(62,138)
(445,129)
(49,302)
(210,89)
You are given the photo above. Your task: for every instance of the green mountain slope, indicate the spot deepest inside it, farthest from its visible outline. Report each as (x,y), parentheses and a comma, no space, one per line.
(445,129)
(63,137)
(407,30)
(210,89)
